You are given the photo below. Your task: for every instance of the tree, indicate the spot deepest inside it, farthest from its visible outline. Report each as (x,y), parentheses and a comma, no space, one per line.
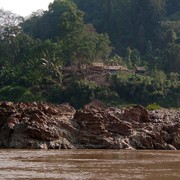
(171,59)
(170,37)
(128,56)
(148,14)
(141,38)
(135,57)
(94,12)
(149,48)
(84,46)
(10,33)
(14,48)
(61,18)
(9,22)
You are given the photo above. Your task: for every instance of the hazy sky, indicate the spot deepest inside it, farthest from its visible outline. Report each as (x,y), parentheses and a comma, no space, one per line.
(24,7)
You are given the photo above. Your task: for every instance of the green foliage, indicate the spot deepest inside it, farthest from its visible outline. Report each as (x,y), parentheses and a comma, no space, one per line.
(17,93)
(127,22)
(85,46)
(62,18)
(153,106)
(171,59)
(82,92)
(145,90)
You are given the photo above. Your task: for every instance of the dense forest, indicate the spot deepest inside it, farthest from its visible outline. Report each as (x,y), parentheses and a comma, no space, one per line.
(34,52)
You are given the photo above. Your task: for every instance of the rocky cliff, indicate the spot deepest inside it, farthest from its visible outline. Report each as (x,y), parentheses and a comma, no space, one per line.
(49,126)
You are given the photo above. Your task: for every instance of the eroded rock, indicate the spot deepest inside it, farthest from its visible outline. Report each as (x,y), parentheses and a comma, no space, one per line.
(41,125)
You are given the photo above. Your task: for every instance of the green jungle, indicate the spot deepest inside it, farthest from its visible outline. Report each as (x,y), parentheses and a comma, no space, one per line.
(120,52)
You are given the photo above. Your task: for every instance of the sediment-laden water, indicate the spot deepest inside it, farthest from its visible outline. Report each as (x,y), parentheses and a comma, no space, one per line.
(89,164)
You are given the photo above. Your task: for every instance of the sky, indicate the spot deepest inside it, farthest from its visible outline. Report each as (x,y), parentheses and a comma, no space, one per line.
(24,7)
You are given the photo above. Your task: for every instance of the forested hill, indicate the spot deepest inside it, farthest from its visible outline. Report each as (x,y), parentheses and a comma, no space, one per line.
(146,27)
(134,23)
(133,34)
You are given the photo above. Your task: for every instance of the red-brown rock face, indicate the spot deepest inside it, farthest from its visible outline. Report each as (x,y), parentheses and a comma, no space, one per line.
(36,125)
(42,125)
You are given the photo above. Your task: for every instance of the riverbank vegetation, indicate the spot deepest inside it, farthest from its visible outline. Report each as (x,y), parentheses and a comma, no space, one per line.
(49,56)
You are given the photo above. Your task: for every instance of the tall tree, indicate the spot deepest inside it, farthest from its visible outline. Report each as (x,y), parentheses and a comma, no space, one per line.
(61,18)
(148,14)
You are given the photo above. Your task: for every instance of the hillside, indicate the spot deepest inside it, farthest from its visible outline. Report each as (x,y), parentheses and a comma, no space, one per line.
(137,42)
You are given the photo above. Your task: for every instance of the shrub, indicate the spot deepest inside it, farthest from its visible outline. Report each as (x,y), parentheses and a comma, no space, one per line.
(153,106)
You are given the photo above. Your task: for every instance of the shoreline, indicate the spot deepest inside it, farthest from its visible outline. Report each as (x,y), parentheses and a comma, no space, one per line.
(41,125)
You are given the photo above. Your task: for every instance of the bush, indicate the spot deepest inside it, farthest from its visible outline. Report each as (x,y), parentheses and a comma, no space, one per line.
(18,94)
(79,93)
(10,93)
(153,106)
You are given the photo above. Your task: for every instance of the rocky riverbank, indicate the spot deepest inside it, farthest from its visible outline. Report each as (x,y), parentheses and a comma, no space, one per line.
(48,126)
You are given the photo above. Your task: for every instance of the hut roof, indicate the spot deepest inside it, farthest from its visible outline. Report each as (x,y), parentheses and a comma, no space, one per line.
(142,69)
(97,64)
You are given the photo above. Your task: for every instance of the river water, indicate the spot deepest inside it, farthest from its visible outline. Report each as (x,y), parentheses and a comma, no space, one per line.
(89,164)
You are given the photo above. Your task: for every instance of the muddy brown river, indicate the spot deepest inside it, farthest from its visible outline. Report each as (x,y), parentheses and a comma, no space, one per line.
(89,164)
